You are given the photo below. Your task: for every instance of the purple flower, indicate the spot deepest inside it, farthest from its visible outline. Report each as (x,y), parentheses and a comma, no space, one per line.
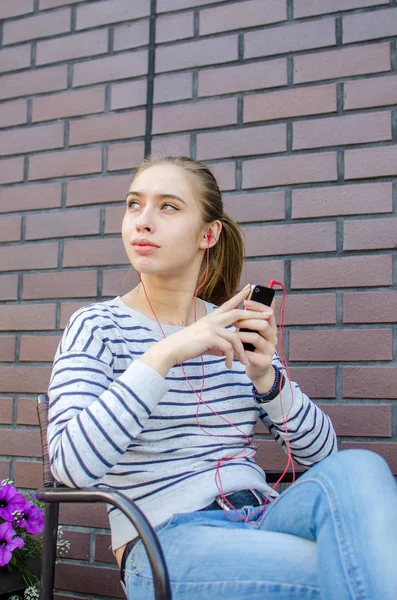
(8,543)
(31,518)
(10,500)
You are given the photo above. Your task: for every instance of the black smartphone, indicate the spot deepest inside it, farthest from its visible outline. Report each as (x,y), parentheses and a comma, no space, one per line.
(264,295)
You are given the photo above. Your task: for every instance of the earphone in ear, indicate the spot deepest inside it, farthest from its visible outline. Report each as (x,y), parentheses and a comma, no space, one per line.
(208,235)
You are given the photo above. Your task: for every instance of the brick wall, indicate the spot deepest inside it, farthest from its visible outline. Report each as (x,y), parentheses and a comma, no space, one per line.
(292,102)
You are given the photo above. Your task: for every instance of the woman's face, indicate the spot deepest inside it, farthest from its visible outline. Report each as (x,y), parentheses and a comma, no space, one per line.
(162,228)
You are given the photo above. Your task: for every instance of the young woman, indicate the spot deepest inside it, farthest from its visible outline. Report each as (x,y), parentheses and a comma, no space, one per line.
(154,395)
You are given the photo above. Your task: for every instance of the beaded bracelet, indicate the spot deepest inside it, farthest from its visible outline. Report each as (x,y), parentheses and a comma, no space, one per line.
(271,394)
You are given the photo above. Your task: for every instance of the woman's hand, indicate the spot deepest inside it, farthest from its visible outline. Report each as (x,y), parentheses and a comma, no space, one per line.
(264,338)
(209,335)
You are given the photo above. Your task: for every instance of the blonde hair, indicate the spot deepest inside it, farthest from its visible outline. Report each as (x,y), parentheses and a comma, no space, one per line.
(227,256)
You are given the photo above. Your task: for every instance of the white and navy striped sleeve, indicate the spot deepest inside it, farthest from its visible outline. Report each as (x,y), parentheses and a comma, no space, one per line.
(93,417)
(310,432)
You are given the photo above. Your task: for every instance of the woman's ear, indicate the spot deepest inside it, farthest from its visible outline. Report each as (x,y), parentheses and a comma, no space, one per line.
(211,235)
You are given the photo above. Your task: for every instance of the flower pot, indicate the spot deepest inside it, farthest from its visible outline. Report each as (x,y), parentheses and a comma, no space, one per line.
(11,582)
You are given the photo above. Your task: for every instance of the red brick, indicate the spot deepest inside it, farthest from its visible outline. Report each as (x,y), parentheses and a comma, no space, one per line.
(84,253)
(342,200)
(10,229)
(197,53)
(310,309)
(20,442)
(103,13)
(29,256)
(376,91)
(255,207)
(30,380)
(64,164)
(119,66)
(55,3)
(174,27)
(103,550)
(290,103)
(370,234)
(67,310)
(6,410)
(97,190)
(10,8)
(13,59)
(62,284)
(370,382)
(271,240)
(225,174)
(352,345)
(370,307)
(270,456)
(8,287)
(27,411)
(11,170)
(89,580)
(30,197)
(68,104)
(171,145)
(38,348)
(242,141)
(85,515)
(290,38)
(240,78)
(4,469)
(316,382)
(35,81)
(117,282)
(348,271)
(113,219)
(177,86)
(128,94)
(13,113)
(63,223)
(79,544)
(195,115)
(238,16)
(286,170)
(107,127)
(369,26)
(31,139)
(387,450)
(77,45)
(338,131)
(307,8)
(131,35)
(28,474)
(359,60)
(369,420)
(26,317)
(371,162)
(169,5)
(261,271)
(42,25)
(7,348)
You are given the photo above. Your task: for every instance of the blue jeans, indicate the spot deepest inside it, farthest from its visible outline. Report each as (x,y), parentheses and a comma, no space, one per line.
(331,535)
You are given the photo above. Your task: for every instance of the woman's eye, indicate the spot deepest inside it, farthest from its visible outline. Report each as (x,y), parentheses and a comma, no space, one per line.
(133,204)
(169,207)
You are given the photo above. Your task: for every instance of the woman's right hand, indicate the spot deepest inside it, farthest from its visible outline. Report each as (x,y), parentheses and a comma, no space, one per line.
(209,335)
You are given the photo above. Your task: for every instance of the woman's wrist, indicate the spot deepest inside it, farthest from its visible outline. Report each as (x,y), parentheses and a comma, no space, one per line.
(158,358)
(265,383)
(272,393)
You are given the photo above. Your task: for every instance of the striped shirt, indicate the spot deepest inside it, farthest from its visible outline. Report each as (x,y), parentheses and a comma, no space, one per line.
(116,422)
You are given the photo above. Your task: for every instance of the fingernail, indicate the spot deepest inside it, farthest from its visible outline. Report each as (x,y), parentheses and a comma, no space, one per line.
(247,287)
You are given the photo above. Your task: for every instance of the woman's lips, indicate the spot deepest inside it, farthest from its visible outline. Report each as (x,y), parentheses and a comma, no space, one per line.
(144,248)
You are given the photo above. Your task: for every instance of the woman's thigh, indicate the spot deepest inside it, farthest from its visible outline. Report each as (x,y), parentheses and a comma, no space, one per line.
(210,557)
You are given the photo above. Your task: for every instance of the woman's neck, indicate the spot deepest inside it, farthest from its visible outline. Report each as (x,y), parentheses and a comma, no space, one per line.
(171,303)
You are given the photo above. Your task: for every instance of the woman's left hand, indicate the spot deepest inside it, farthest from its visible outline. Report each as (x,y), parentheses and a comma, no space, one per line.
(264,338)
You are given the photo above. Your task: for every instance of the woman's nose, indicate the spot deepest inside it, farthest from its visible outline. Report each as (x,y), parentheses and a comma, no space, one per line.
(144,222)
